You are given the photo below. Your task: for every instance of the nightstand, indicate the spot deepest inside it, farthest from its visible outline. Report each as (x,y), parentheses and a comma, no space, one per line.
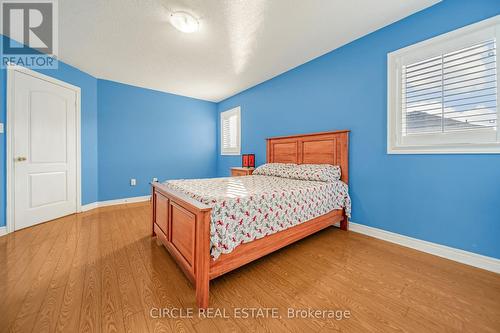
(236,172)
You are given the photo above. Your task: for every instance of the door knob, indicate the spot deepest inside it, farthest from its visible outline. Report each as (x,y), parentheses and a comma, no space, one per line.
(20,159)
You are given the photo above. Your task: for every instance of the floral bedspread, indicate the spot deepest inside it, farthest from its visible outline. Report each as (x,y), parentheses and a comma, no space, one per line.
(251,207)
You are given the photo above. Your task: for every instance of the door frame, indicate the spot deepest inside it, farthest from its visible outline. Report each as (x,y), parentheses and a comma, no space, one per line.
(11,69)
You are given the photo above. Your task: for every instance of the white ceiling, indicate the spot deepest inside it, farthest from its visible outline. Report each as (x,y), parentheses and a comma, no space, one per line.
(240,43)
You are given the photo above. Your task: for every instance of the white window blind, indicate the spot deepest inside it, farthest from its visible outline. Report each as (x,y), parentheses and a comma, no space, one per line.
(456,91)
(443,93)
(230,132)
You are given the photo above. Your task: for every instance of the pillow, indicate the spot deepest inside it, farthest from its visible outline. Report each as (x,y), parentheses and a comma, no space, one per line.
(317,172)
(275,169)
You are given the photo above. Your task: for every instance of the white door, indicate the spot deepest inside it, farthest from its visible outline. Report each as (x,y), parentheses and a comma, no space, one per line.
(44,150)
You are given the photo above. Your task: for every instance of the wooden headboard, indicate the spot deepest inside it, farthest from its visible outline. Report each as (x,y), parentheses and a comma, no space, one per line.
(314,148)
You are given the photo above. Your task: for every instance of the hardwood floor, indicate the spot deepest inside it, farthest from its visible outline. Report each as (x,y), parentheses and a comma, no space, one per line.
(100,271)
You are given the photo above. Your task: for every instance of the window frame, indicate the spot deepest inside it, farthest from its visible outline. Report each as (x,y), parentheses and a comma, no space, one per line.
(226,115)
(448,142)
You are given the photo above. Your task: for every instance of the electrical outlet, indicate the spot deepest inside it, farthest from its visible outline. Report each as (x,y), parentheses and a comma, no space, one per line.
(155,179)
(133,182)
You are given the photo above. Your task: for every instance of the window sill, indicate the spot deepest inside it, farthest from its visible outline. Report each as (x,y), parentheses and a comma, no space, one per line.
(448,149)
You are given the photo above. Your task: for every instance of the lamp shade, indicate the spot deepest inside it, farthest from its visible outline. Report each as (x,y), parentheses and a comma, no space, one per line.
(244,161)
(251,160)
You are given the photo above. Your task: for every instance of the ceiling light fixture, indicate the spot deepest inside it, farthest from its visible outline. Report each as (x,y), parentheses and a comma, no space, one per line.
(184,22)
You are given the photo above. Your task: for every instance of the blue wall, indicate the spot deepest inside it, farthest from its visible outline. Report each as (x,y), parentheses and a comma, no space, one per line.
(88,85)
(137,133)
(145,133)
(448,199)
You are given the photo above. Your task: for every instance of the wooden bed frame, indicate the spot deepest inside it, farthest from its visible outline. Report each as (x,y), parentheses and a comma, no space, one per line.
(182,224)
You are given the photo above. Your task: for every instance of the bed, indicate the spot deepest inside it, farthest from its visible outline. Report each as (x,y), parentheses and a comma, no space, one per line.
(213,226)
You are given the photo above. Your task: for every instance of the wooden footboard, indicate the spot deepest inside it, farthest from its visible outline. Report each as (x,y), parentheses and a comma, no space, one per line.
(182,224)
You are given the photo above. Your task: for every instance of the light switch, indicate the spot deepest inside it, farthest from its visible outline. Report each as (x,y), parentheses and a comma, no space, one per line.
(1,127)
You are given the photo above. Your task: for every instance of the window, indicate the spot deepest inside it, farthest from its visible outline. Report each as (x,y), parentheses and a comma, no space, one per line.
(230,134)
(443,93)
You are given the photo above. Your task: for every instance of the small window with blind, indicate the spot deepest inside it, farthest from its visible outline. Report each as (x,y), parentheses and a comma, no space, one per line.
(443,93)
(230,133)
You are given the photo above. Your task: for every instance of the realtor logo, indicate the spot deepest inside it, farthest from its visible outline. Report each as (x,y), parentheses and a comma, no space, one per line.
(31,28)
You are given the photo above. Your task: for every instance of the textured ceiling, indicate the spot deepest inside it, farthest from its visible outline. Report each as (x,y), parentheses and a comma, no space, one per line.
(240,43)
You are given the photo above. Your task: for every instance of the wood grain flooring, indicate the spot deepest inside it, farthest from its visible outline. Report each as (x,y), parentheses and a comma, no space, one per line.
(101,272)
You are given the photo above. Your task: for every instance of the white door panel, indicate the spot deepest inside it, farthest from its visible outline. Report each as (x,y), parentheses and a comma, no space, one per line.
(46,109)
(44,151)
(40,182)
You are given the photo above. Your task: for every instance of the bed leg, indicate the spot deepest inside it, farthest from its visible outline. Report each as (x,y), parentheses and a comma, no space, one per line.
(202,264)
(344,223)
(202,292)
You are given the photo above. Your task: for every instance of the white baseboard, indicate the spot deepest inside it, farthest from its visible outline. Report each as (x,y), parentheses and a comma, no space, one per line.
(98,204)
(464,257)
(88,207)
(3,231)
